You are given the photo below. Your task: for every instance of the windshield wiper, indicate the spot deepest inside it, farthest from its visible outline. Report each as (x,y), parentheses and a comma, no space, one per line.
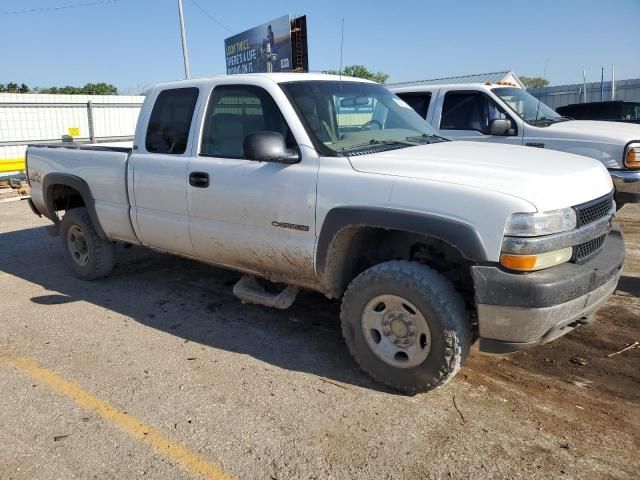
(427,138)
(550,120)
(373,142)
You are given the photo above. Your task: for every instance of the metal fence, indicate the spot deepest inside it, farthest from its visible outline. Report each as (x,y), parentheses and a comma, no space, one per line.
(37,119)
(559,96)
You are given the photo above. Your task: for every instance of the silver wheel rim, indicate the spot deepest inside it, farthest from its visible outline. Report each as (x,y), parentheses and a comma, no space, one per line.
(77,245)
(396,331)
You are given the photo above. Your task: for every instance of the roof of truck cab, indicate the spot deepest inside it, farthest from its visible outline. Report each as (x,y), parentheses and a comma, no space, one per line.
(448,86)
(275,77)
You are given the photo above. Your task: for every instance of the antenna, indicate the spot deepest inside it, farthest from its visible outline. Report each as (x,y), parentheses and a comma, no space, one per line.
(544,75)
(340,73)
(341,45)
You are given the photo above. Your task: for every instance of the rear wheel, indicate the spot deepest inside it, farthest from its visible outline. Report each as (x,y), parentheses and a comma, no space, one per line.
(406,326)
(89,256)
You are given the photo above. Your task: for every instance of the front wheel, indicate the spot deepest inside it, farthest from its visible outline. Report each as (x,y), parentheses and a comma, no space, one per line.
(89,256)
(406,326)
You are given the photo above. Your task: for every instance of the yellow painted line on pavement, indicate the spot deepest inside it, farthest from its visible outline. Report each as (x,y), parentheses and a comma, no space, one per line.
(189,461)
(12,164)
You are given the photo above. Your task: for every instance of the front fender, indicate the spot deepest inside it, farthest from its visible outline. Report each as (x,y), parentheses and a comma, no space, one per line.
(460,235)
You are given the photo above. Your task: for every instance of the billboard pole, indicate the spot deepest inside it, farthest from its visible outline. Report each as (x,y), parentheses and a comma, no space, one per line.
(185,54)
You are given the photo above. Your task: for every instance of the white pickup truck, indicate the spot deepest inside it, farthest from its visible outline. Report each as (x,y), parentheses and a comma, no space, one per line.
(506,113)
(336,185)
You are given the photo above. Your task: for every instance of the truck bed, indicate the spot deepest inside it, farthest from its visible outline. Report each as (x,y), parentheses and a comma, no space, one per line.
(103,167)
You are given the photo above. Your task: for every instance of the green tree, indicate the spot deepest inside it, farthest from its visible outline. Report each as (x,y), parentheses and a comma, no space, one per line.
(100,89)
(360,71)
(534,82)
(23,88)
(89,89)
(12,87)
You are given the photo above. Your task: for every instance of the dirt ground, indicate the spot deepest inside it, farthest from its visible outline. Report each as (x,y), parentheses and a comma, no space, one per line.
(258,393)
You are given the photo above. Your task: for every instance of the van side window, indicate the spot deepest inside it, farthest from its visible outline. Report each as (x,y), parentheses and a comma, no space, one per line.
(170,121)
(469,111)
(418,101)
(234,112)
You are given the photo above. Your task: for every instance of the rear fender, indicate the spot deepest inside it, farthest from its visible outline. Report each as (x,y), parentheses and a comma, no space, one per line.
(78,184)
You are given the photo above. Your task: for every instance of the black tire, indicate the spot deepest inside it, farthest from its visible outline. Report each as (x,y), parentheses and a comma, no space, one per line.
(436,300)
(100,254)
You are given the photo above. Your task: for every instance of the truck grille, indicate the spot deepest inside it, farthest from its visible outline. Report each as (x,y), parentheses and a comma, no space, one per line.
(586,250)
(587,213)
(596,209)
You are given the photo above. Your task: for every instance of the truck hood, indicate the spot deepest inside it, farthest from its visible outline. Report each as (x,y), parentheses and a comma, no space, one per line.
(547,179)
(609,132)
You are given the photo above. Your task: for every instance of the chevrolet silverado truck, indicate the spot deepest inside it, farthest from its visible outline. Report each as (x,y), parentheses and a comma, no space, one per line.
(338,186)
(505,113)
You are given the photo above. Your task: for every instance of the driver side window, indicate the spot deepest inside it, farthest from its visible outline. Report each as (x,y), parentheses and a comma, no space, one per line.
(234,112)
(469,111)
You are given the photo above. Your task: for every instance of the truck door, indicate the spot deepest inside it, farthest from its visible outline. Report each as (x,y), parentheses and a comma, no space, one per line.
(159,165)
(468,115)
(259,216)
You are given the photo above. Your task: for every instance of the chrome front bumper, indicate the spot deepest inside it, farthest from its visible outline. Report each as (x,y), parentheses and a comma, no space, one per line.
(626,181)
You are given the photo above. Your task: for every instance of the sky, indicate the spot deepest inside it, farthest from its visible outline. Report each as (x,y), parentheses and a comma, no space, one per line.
(136,43)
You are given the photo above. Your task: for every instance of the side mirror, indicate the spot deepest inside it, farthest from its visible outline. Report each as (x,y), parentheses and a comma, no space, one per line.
(501,126)
(268,147)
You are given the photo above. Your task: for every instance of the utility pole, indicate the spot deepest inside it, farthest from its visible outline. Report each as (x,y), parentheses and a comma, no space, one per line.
(185,53)
(613,82)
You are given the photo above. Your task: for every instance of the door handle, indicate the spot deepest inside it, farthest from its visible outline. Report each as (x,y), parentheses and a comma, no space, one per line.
(199,179)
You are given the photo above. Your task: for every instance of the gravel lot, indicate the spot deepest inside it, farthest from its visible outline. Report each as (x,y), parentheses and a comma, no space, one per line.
(260,393)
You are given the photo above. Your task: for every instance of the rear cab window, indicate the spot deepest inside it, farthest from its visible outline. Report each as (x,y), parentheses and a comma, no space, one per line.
(418,101)
(170,121)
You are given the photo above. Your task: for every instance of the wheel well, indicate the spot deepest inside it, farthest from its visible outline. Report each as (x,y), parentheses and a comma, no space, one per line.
(64,197)
(354,249)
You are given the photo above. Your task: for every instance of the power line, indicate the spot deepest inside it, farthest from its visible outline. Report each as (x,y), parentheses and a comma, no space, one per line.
(212,17)
(61,7)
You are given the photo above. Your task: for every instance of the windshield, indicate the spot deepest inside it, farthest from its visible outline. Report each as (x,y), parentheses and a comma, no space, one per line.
(528,107)
(342,117)
(631,111)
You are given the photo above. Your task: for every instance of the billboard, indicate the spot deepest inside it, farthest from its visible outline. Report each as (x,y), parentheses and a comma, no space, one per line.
(266,48)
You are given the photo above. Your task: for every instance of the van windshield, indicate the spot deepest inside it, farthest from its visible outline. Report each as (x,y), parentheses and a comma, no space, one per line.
(347,117)
(631,111)
(528,107)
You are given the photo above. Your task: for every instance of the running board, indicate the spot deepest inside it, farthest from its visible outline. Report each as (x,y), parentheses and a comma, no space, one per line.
(248,290)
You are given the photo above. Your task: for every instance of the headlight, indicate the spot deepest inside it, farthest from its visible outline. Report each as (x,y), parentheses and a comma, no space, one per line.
(632,155)
(537,224)
(530,263)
